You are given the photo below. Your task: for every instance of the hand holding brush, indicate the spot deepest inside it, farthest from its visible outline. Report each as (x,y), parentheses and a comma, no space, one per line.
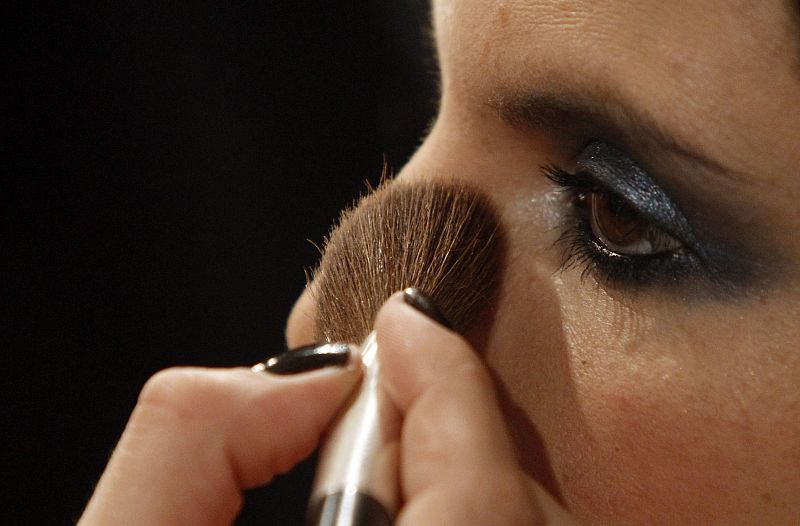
(199,437)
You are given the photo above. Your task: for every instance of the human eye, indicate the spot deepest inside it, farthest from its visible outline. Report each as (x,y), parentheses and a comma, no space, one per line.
(622,227)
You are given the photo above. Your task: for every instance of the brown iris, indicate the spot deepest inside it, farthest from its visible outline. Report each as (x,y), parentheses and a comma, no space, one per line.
(624,231)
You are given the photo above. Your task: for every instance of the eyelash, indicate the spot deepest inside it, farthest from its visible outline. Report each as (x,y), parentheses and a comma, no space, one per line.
(582,250)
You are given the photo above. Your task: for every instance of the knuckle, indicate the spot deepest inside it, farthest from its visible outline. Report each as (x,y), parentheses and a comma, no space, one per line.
(474,373)
(178,390)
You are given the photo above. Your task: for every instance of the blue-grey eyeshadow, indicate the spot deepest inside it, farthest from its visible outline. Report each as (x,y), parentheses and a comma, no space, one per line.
(618,173)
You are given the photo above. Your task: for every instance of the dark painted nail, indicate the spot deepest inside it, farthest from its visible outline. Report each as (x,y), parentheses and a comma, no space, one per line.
(425,305)
(307,358)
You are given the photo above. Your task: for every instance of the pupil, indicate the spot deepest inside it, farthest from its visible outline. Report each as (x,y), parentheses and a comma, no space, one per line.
(616,221)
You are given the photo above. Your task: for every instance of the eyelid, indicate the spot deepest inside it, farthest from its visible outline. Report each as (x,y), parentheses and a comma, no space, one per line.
(593,184)
(613,171)
(584,181)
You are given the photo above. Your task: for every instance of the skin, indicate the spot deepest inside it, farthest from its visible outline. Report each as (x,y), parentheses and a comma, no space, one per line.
(640,405)
(578,400)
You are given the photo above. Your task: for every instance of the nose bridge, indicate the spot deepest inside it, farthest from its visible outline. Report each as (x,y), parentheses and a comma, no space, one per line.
(470,144)
(473,139)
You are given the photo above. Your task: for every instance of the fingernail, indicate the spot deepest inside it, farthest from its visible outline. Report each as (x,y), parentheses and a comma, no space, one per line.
(306,358)
(425,305)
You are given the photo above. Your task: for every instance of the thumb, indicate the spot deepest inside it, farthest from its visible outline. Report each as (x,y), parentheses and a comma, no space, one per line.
(458,465)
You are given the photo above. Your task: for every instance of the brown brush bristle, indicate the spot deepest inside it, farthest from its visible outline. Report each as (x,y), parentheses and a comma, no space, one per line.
(444,240)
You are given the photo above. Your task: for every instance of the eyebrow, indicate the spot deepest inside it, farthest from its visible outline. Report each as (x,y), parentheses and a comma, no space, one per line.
(568,112)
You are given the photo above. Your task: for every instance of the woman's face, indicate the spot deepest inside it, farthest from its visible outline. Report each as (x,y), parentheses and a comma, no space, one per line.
(646,337)
(651,388)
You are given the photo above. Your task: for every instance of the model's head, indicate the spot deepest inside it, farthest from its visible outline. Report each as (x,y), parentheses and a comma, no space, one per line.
(643,158)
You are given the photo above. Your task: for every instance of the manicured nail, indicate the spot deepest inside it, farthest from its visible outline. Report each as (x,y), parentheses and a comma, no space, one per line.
(306,358)
(425,305)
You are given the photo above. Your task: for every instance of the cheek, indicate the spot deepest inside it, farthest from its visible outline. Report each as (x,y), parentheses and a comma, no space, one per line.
(632,419)
(651,443)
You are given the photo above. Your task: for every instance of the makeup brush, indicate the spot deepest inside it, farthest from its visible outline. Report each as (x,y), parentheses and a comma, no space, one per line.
(442,240)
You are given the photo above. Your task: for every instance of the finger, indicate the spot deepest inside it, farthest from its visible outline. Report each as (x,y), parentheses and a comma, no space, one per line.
(458,465)
(433,374)
(198,437)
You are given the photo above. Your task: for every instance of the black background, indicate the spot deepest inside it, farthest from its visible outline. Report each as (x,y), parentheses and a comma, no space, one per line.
(165,165)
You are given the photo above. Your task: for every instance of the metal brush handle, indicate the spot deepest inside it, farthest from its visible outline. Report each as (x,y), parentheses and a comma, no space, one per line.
(357,476)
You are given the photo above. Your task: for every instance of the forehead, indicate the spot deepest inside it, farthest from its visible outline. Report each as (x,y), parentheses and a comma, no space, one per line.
(714,31)
(686,36)
(734,60)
